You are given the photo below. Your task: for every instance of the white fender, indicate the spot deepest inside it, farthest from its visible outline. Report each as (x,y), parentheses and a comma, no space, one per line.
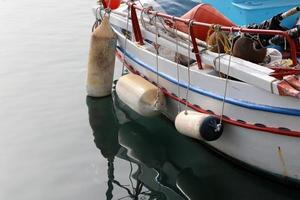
(101,60)
(198,125)
(140,95)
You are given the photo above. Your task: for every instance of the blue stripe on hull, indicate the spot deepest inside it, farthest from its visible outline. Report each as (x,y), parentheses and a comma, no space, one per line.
(266,108)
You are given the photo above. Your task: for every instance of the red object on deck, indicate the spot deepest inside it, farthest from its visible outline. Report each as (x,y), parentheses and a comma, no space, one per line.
(293,80)
(285,89)
(280,72)
(112,4)
(203,13)
(136,26)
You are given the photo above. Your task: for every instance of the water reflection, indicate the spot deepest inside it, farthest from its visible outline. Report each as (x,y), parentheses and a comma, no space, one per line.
(108,132)
(105,130)
(167,165)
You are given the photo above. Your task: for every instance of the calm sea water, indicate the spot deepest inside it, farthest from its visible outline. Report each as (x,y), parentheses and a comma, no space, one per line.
(57,144)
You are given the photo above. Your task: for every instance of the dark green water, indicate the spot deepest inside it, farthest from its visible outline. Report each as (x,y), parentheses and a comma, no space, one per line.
(57,144)
(165,164)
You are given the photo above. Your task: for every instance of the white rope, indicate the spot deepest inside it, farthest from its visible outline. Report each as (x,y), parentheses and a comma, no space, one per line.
(143,20)
(218,128)
(125,45)
(145,11)
(141,3)
(177,65)
(97,21)
(156,46)
(219,58)
(188,68)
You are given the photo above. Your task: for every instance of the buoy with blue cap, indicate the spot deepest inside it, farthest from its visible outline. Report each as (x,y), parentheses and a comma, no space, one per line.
(198,125)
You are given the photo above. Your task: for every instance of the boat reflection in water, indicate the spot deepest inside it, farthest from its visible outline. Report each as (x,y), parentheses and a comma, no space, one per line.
(167,165)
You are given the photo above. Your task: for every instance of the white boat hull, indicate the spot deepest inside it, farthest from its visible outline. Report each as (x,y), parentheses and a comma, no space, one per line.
(261,128)
(273,153)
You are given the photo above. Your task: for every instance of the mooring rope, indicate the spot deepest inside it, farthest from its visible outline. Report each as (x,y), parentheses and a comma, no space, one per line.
(141,4)
(145,11)
(125,44)
(177,64)
(188,66)
(97,21)
(156,46)
(226,83)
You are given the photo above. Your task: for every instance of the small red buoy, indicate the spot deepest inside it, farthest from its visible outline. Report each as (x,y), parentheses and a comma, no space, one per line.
(112,4)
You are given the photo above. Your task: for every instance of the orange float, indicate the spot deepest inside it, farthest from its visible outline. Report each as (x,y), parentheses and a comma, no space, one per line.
(203,13)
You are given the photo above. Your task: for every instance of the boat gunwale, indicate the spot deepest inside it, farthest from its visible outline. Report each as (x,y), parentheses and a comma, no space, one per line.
(233,101)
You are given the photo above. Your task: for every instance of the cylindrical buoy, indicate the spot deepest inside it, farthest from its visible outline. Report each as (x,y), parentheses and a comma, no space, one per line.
(101,60)
(198,125)
(140,95)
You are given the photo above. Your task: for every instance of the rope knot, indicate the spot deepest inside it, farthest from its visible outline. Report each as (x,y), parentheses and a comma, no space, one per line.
(107,10)
(216,27)
(148,9)
(218,127)
(218,40)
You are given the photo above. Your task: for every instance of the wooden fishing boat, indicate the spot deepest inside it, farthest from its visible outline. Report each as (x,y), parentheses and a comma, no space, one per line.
(257,107)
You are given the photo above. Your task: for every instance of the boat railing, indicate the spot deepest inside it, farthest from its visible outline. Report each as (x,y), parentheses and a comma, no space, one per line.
(190,24)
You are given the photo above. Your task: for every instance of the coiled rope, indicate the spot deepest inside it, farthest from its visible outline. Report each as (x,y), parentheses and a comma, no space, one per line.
(221,37)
